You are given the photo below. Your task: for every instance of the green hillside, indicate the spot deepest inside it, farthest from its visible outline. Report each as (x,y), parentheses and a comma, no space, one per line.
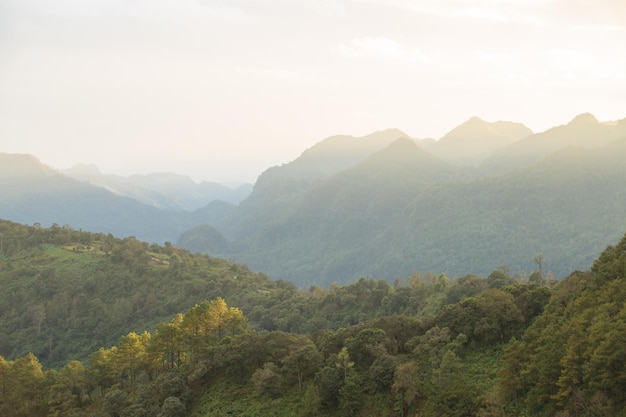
(424,346)
(67,292)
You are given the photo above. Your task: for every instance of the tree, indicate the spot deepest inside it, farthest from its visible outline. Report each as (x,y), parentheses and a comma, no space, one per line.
(405,385)
(328,380)
(453,394)
(103,368)
(510,385)
(303,362)
(27,379)
(172,407)
(343,361)
(540,261)
(267,380)
(351,393)
(69,388)
(368,345)
(115,401)
(499,278)
(168,343)
(5,366)
(131,354)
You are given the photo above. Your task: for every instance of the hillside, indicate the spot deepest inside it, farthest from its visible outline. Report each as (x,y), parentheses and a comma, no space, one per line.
(404,210)
(67,292)
(473,347)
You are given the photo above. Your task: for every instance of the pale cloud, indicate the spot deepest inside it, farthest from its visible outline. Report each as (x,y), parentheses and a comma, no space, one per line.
(326,8)
(185,11)
(497,11)
(570,60)
(460,12)
(379,47)
(162,11)
(585,64)
(497,60)
(277,74)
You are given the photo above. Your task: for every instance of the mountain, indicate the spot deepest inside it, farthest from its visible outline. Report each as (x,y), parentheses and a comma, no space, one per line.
(35,193)
(279,187)
(337,219)
(475,140)
(161,190)
(584,131)
(382,205)
(403,209)
(324,159)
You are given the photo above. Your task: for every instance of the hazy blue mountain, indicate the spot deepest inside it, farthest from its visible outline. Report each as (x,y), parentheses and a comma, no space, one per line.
(161,190)
(475,140)
(32,192)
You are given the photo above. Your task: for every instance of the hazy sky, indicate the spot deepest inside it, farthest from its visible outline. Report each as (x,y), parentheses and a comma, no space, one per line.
(222,89)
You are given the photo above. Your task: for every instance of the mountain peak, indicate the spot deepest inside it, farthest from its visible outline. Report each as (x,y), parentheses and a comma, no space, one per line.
(20,165)
(584,119)
(402,151)
(83,169)
(476,127)
(474,120)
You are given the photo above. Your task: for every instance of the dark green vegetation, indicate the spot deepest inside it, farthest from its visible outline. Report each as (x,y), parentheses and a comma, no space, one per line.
(494,346)
(401,208)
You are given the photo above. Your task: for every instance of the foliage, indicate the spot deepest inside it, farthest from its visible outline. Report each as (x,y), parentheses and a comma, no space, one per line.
(571,360)
(432,346)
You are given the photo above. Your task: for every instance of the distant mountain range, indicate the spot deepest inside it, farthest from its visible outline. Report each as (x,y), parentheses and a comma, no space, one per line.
(407,205)
(380,206)
(151,207)
(161,190)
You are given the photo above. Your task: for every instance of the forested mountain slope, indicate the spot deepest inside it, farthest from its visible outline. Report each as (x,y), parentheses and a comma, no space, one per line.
(571,360)
(67,292)
(479,347)
(279,188)
(406,212)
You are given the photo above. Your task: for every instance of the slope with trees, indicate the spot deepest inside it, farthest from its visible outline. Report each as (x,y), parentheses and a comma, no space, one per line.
(491,347)
(403,209)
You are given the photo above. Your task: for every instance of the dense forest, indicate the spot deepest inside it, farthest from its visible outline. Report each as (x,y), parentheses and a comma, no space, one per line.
(196,336)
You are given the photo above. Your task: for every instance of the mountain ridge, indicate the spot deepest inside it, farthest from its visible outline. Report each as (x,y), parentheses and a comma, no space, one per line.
(348,208)
(160,189)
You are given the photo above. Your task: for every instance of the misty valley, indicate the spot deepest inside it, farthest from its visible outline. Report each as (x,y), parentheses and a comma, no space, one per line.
(480,274)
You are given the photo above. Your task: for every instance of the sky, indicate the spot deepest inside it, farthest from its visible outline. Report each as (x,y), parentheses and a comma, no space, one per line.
(221,90)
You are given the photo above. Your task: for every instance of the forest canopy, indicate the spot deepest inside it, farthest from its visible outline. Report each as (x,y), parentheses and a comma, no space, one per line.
(470,346)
